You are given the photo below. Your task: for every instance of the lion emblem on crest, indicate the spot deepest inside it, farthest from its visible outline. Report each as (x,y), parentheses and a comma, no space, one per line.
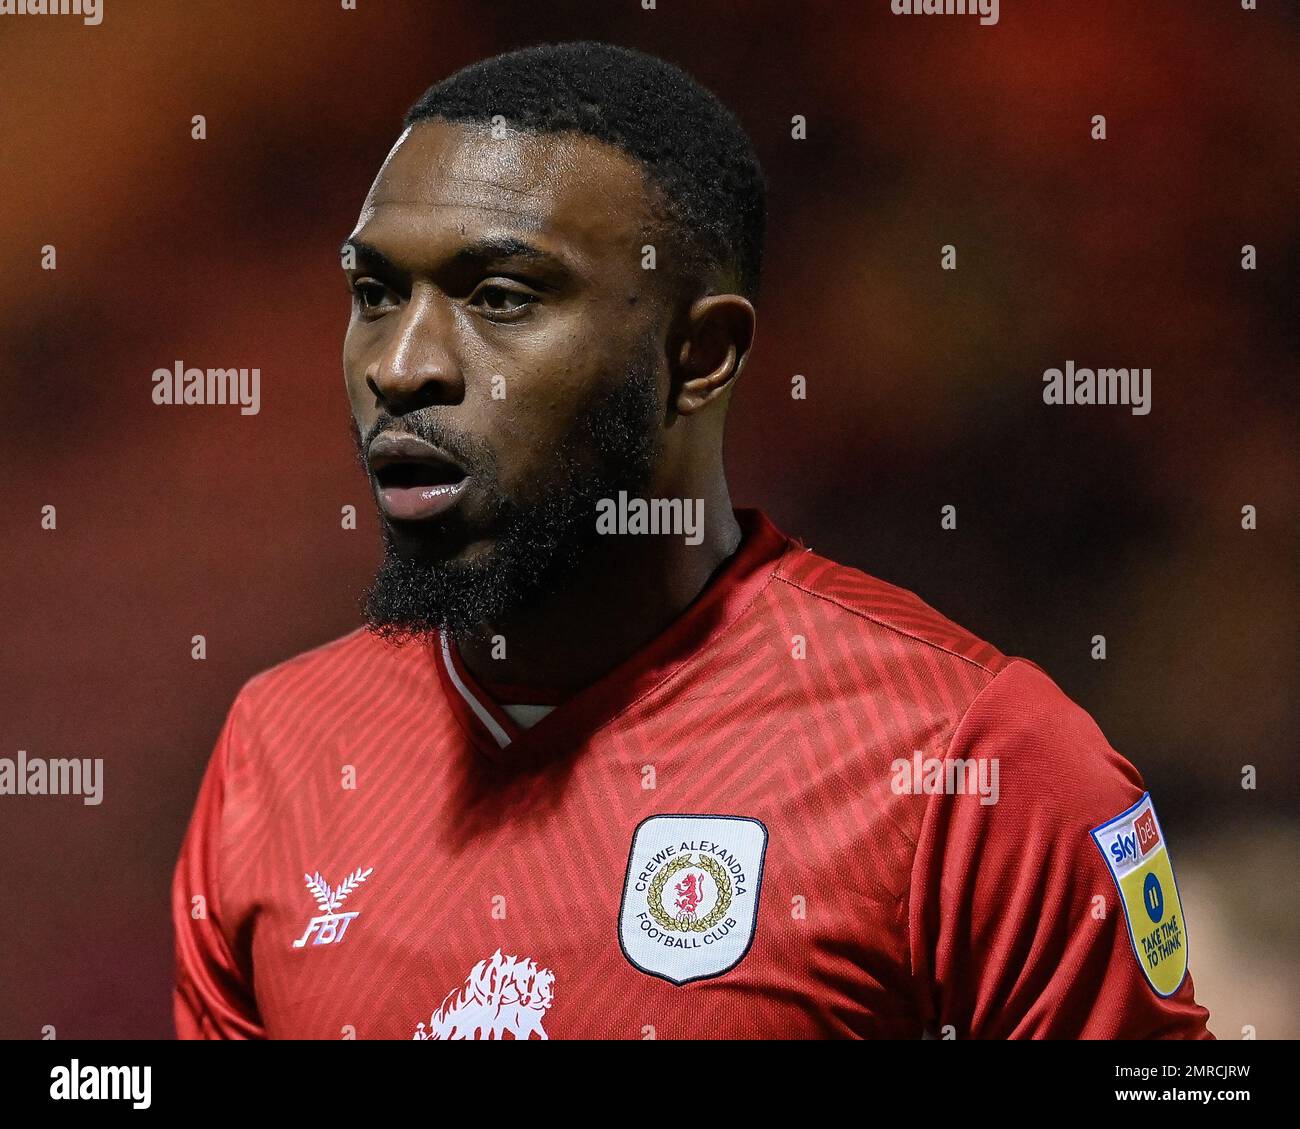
(502,994)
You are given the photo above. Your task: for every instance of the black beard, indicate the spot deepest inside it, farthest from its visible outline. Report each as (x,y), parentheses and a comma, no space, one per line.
(538,540)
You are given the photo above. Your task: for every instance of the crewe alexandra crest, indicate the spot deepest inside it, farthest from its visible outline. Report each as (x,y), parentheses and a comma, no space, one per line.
(690,897)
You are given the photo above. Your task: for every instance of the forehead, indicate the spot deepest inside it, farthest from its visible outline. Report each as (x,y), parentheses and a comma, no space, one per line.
(442,177)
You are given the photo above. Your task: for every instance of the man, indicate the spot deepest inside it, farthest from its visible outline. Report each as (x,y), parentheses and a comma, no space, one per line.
(610,759)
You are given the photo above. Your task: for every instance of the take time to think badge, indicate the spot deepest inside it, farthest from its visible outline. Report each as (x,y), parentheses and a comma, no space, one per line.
(1134,848)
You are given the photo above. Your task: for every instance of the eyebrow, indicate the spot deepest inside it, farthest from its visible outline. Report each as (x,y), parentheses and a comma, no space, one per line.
(489,249)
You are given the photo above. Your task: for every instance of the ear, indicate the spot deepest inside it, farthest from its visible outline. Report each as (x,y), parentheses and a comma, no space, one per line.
(715,343)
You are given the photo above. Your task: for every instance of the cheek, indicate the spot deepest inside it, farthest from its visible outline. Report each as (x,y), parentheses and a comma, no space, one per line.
(526,437)
(537,415)
(354,374)
(358,402)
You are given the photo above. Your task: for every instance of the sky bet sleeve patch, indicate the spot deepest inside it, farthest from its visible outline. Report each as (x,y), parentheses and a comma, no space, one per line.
(1134,848)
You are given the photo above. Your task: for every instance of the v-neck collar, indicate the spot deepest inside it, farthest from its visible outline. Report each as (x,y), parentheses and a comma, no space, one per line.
(730,590)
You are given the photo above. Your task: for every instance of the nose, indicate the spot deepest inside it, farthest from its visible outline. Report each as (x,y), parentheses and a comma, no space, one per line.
(418,366)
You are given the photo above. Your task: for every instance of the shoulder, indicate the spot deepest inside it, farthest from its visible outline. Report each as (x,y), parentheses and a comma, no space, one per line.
(873,607)
(328,682)
(310,664)
(1052,754)
(988,701)
(882,639)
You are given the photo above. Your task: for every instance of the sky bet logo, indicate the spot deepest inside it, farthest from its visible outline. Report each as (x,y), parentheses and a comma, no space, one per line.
(1142,839)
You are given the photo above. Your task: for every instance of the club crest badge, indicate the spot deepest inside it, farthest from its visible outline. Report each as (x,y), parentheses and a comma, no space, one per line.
(1133,846)
(690,896)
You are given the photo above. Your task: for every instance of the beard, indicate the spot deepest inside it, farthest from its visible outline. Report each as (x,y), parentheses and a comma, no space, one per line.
(538,537)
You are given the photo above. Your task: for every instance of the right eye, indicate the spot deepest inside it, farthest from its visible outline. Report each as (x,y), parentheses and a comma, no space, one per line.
(371,295)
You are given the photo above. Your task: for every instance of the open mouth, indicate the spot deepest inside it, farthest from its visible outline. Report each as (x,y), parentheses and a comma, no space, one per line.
(410,474)
(419,491)
(414,480)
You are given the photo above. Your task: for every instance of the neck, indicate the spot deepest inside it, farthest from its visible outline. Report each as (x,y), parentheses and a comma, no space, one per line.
(626,591)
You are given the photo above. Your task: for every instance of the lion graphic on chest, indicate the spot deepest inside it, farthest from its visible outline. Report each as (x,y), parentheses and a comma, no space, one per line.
(502,994)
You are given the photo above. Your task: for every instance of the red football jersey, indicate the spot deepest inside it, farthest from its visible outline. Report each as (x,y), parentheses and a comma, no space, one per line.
(813,807)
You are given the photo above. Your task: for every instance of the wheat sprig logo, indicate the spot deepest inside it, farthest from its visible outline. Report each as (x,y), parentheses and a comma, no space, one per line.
(331,925)
(330,899)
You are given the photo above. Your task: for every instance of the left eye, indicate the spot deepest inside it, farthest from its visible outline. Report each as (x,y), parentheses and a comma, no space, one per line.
(500,300)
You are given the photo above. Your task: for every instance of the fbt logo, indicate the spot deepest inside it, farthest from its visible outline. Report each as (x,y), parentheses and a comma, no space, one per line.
(331,926)
(1133,845)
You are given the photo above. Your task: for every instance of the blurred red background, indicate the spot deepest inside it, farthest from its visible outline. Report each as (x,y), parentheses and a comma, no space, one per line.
(924,391)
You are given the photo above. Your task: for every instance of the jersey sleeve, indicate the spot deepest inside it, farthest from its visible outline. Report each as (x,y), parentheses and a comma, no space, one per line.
(1019,926)
(212,998)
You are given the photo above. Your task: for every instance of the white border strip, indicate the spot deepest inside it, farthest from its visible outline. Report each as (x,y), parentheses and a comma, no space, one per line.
(502,737)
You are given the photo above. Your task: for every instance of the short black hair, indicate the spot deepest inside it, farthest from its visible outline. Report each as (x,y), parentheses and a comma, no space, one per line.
(691,145)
